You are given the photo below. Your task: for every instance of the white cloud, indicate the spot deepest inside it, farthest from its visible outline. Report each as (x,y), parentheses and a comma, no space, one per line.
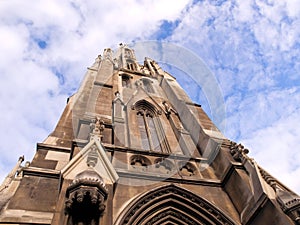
(263,109)
(276,147)
(244,11)
(13,42)
(293,8)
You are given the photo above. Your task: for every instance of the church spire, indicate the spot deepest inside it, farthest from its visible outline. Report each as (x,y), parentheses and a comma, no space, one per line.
(132,148)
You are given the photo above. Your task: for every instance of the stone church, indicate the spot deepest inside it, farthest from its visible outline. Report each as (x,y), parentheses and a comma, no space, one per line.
(132,148)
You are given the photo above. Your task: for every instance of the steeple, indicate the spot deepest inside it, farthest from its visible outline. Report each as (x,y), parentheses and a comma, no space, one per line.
(126,58)
(132,148)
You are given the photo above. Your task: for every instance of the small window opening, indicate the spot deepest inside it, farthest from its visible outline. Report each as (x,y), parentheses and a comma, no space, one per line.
(125,81)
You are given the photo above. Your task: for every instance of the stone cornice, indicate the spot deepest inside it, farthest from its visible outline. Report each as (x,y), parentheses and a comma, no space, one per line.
(35,171)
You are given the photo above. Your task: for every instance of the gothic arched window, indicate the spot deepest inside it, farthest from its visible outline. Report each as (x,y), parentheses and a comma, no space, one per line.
(148,131)
(149,127)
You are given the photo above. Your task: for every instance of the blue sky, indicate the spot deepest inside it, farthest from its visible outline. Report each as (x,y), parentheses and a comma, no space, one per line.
(252,47)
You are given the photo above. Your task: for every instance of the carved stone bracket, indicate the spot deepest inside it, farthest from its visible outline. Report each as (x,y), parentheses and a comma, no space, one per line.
(78,199)
(187,168)
(87,191)
(289,203)
(238,151)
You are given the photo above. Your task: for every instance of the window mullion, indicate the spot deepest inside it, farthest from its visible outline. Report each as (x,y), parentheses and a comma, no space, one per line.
(143,131)
(155,135)
(148,131)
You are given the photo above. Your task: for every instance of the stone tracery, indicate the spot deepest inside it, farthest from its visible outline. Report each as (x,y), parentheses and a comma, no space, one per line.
(167,203)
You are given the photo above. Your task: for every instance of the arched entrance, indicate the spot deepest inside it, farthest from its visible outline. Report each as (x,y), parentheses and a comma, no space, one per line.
(171,205)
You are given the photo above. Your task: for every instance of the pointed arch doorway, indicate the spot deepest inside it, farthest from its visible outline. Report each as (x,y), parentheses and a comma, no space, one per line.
(170,205)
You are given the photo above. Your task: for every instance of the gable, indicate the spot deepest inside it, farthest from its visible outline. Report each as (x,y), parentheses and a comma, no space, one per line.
(92,155)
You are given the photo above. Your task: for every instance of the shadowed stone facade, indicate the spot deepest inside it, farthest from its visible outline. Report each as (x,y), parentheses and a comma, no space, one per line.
(132,148)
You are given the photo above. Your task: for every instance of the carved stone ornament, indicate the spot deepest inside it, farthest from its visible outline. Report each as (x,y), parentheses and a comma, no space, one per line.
(139,83)
(268,178)
(139,162)
(117,94)
(86,191)
(107,54)
(166,164)
(238,151)
(97,127)
(169,204)
(289,203)
(99,58)
(168,109)
(92,158)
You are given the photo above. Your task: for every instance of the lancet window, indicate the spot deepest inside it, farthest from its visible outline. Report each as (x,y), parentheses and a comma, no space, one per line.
(152,138)
(130,66)
(148,131)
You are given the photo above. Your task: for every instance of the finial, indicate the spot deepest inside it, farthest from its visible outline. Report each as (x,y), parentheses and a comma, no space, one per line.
(97,127)
(21,158)
(168,109)
(238,151)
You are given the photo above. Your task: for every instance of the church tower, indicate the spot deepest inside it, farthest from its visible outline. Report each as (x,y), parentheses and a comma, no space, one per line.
(132,148)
